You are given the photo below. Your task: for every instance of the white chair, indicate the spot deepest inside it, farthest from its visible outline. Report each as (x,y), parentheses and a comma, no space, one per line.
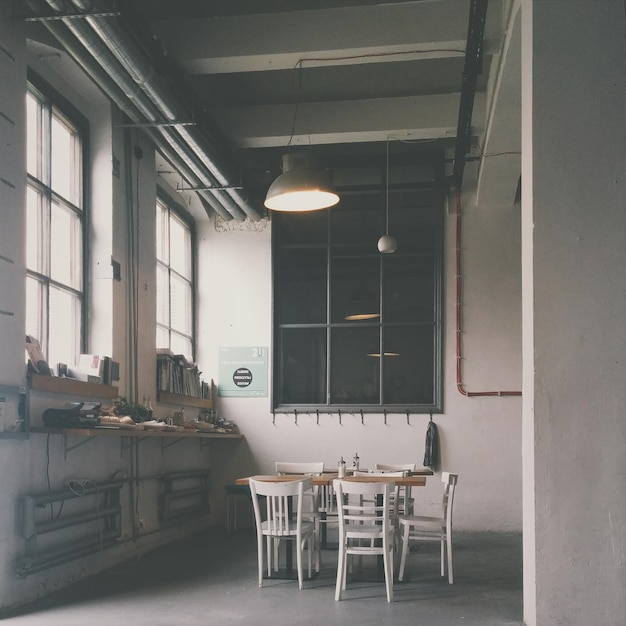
(283,520)
(405,503)
(287,467)
(432,528)
(365,527)
(311,510)
(394,499)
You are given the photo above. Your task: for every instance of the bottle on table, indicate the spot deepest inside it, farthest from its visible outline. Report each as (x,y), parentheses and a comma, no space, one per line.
(341,470)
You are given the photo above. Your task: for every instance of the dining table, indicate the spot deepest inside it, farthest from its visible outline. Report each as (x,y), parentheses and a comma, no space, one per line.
(411,479)
(416,478)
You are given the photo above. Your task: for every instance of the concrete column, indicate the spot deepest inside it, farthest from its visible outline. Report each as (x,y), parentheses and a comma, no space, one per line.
(574,311)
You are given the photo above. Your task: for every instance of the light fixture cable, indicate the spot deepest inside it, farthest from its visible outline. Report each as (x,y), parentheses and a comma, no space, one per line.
(387,244)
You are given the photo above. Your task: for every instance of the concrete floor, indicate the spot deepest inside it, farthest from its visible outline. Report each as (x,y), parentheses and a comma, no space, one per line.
(211,578)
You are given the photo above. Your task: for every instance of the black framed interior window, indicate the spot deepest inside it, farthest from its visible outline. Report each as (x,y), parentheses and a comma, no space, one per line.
(355,329)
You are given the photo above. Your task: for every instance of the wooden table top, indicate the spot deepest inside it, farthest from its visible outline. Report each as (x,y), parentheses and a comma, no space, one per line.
(327,478)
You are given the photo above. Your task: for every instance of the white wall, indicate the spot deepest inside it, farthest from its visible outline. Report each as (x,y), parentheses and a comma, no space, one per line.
(575,312)
(480,437)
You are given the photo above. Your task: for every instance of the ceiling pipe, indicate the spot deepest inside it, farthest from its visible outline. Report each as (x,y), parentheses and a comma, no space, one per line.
(132,60)
(141,70)
(129,107)
(155,105)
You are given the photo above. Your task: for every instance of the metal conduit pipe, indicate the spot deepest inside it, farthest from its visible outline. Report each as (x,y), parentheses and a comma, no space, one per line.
(107,61)
(87,64)
(223,180)
(181,163)
(193,160)
(132,59)
(86,61)
(134,64)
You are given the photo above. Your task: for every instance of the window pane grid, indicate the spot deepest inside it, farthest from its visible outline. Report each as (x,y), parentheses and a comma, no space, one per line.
(174,244)
(55,230)
(389,360)
(65,148)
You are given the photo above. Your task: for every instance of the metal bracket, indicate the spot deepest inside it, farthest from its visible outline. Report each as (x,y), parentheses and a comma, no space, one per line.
(80,443)
(171,443)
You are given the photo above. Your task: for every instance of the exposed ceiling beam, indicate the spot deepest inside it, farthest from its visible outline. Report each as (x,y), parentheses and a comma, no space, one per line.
(416,117)
(342,36)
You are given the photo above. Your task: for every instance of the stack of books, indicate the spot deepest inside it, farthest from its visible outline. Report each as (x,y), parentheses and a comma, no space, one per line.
(175,374)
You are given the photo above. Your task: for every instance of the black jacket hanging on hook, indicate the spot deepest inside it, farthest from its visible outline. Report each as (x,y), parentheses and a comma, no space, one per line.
(431,452)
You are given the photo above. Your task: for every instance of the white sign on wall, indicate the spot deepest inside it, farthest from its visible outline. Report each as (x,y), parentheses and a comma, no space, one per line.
(242,372)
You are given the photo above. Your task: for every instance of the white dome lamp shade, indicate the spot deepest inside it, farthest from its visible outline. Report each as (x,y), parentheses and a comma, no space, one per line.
(302,186)
(387,244)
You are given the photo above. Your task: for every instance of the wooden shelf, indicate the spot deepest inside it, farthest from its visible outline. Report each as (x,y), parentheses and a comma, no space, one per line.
(55,384)
(122,432)
(172,398)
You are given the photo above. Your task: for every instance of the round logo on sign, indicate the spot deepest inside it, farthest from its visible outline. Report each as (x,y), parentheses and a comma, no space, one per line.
(242,377)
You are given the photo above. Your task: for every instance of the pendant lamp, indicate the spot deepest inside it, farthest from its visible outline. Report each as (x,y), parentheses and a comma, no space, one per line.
(302,186)
(387,244)
(363,304)
(388,352)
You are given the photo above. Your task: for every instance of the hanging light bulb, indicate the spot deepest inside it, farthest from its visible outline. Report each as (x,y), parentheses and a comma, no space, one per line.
(387,244)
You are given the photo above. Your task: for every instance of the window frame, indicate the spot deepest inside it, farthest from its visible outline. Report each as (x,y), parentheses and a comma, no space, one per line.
(175,209)
(383,405)
(53,102)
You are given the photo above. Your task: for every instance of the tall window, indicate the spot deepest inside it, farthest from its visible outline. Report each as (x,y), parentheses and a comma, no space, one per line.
(55,227)
(174,239)
(354,328)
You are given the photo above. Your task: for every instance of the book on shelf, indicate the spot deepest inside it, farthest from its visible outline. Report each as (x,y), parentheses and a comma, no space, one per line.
(36,360)
(175,374)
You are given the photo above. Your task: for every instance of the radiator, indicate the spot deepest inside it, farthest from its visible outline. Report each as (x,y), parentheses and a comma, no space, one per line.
(184,495)
(87,519)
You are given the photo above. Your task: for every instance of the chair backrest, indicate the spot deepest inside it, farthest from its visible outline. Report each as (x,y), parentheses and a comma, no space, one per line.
(360,503)
(284,467)
(389,473)
(394,467)
(449,481)
(327,502)
(282,501)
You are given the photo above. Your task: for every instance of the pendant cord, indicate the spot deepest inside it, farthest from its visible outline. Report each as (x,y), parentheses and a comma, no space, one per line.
(387,191)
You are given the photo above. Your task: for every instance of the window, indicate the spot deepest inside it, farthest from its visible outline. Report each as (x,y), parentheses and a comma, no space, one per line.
(326,265)
(55,227)
(174,246)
